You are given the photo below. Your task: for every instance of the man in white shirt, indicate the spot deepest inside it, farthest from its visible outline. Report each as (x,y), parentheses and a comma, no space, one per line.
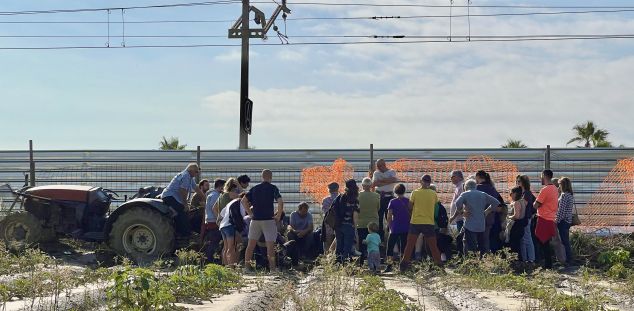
(383,180)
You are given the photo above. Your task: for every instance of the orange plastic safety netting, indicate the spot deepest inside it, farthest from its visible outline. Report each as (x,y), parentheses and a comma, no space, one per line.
(613,203)
(315,180)
(503,173)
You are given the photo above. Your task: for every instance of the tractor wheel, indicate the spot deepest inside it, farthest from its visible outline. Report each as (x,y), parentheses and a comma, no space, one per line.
(142,234)
(20,230)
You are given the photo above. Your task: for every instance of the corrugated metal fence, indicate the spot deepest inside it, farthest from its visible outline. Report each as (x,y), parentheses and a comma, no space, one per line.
(126,171)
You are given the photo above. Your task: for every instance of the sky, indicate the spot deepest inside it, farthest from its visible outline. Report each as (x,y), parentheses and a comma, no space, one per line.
(430,95)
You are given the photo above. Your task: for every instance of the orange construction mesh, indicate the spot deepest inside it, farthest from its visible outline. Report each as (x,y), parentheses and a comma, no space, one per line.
(613,203)
(503,173)
(315,180)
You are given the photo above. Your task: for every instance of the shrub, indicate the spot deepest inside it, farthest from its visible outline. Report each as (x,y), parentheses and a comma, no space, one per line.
(375,297)
(137,289)
(613,257)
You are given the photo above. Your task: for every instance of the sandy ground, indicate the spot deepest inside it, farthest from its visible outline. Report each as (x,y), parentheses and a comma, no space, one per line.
(257,294)
(272,292)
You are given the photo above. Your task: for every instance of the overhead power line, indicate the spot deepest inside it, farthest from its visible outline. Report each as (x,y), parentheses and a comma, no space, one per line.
(473,39)
(335,36)
(448,6)
(121,8)
(333,17)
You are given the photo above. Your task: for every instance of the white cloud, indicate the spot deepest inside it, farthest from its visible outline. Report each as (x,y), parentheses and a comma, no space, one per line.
(292,55)
(478,107)
(234,55)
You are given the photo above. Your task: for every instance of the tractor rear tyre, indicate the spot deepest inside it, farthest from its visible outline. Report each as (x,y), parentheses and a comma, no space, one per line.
(143,235)
(20,230)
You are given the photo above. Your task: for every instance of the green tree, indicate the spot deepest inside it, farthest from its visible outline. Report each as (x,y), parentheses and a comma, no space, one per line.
(171,143)
(514,144)
(590,135)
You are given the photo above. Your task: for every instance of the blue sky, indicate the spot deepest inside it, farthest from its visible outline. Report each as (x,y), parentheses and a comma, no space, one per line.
(396,96)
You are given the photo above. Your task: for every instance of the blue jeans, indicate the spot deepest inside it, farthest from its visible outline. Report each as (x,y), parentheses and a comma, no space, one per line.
(345,241)
(183,228)
(564,234)
(527,248)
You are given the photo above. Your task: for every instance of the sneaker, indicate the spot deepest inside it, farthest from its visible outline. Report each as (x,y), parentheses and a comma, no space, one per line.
(356,253)
(404,267)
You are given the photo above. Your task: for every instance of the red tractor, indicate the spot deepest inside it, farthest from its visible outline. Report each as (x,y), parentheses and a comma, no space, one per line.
(142,228)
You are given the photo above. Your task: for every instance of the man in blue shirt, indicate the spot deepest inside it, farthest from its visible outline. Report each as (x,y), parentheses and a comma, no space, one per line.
(260,199)
(210,232)
(300,230)
(176,194)
(474,205)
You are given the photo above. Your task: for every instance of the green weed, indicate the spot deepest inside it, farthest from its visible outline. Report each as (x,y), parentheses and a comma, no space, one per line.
(375,297)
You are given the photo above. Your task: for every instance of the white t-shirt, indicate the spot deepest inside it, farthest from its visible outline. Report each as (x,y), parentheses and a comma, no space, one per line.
(378,175)
(226,220)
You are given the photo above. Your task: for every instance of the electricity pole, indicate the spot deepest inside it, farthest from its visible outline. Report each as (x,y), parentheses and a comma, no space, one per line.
(244,77)
(240,29)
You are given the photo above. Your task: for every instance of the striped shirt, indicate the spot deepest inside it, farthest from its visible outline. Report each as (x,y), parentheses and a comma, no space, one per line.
(566,204)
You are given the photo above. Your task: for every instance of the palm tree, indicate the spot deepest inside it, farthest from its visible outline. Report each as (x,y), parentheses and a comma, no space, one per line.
(514,144)
(170,144)
(590,135)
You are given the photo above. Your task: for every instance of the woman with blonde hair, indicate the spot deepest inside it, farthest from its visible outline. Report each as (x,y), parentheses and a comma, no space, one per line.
(564,215)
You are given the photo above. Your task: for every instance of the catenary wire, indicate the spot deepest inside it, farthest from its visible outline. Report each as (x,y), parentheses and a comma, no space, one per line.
(333,17)
(604,37)
(158,6)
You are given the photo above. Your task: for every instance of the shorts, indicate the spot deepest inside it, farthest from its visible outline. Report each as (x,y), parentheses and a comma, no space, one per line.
(228,232)
(426,230)
(259,227)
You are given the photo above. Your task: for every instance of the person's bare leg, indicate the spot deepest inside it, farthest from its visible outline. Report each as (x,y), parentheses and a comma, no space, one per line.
(226,252)
(248,254)
(333,245)
(231,252)
(270,253)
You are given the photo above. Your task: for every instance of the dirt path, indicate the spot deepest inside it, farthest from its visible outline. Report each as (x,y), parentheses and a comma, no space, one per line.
(260,293)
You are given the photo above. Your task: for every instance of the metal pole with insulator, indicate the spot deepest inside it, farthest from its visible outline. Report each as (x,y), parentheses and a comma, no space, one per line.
(244,75)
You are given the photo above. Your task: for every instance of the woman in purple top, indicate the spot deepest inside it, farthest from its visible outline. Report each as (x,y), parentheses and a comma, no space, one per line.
(398,219)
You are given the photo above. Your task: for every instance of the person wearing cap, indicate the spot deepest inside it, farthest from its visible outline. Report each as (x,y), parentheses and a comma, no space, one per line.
(328,233)
(369,203)
(457,179)
(474,205)
(346,211)
(422,204)
(300,230)
(177,192)
(383,180)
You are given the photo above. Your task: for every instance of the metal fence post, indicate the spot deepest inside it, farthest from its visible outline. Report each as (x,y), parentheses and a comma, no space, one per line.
(371,158)
(31,165)
(547,158)
(198,162)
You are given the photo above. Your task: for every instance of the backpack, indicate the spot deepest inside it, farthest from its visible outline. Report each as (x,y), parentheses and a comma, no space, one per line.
(442,221)
(330,219)
(235,217)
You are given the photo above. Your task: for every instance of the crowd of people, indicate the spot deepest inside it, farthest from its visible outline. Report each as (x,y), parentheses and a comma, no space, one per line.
(376,222)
